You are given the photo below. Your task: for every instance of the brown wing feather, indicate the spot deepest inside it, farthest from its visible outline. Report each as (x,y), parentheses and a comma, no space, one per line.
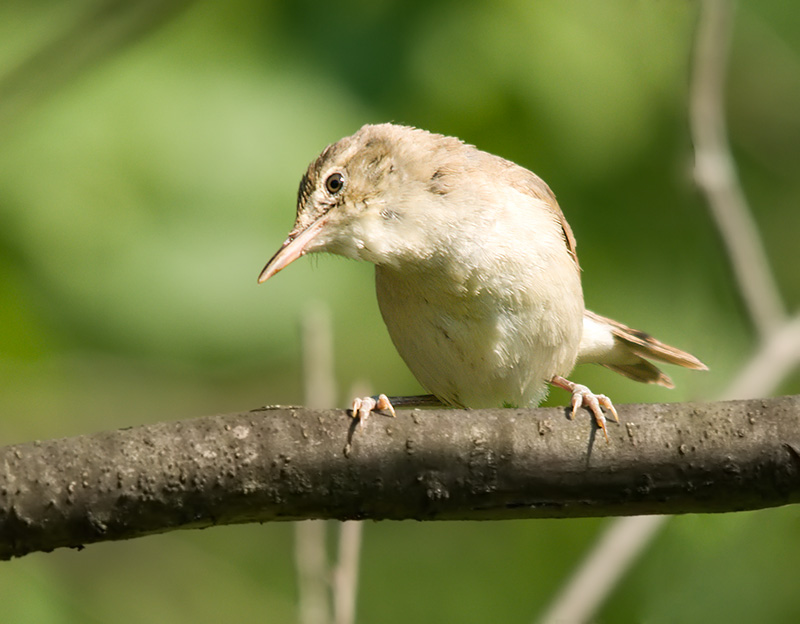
(533,185)
(569,238)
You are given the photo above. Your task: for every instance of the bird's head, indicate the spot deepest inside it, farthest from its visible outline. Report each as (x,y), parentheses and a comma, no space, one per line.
(357,198)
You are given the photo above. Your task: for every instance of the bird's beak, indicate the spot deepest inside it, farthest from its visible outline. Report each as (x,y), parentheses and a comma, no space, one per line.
(292,248)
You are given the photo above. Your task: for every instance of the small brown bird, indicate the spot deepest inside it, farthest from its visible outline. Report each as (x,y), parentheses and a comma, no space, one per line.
(476,271)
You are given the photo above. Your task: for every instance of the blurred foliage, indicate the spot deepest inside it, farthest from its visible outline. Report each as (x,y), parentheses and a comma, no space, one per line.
(149,159)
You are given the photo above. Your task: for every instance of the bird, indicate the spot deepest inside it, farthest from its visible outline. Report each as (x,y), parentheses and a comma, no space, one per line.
(476,271)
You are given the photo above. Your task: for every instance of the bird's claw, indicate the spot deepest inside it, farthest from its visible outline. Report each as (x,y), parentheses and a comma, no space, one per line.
(583,397)
(595,403)
(362,407)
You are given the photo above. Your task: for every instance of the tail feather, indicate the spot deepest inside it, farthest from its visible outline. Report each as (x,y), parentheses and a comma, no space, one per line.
(643,372)
(627,351)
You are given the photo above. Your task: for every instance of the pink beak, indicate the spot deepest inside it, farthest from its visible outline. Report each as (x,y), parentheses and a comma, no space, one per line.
(292,248)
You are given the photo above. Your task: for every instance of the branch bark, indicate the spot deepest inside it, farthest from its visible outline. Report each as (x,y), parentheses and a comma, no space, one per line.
(287,463)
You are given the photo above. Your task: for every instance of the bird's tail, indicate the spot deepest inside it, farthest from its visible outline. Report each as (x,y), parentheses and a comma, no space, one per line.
(628,351)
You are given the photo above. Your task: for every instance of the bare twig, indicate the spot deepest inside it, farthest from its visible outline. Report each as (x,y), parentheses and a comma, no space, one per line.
(715,170)
(345,575)
(311,565)
(310,536)
(614,552)
(319,383)
(316,575)
(775,360)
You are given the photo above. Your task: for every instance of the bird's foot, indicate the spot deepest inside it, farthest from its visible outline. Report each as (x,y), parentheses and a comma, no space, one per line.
(582,396)
(362,407)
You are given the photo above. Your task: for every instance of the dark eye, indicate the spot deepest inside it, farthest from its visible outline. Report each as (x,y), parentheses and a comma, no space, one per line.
(334,183)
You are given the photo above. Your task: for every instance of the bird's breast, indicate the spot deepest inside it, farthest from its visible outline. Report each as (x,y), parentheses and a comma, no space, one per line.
(475,340)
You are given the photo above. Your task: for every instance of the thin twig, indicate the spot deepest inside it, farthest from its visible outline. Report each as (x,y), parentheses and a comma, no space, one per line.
(311,557)
(345,575)
(311,566)
(715,169)
(320,393)
(319,382)
(611,557)
(775,360)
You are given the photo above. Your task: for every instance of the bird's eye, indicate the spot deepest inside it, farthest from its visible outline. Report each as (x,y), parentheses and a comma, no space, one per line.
(334,183)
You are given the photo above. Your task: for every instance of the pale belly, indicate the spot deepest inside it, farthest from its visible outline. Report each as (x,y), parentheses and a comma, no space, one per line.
(481,348)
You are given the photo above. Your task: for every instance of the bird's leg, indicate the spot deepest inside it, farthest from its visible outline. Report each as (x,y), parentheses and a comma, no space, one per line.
(362,407)
(582,396)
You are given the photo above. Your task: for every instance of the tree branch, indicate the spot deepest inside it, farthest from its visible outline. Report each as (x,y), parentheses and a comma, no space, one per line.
(283,463)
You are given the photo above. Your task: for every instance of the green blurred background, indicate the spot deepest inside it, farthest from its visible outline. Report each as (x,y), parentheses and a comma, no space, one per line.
(149,159)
